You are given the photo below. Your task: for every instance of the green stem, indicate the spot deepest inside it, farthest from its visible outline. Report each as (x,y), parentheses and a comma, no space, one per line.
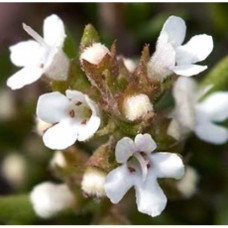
(102,209)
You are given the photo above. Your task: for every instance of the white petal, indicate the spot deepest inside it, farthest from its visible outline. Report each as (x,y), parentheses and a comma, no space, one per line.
(197,49)
(75,95)
(26,53)
(211,133)
(89,129)
(175,28)
(56,64)
(52,107)
(163,60)
(61,135)
(118,182)
(215,107)
(41,126)
(145,143)
(23,77)
(150,198)
(93,106)
(188,70)
(53,30)
(167,165)
(125,148)
(184,91)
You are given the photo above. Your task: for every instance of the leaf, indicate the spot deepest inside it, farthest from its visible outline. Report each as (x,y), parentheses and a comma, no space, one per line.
(16,209)
(70,46)
(218,77)
(140,79)
(89,37)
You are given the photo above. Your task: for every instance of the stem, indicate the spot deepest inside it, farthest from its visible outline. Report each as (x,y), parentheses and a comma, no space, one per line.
(102,209)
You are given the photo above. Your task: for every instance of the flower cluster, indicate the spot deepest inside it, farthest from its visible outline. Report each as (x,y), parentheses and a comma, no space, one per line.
(110,104)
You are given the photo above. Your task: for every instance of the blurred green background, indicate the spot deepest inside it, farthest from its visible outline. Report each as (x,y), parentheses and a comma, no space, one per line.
(132,25)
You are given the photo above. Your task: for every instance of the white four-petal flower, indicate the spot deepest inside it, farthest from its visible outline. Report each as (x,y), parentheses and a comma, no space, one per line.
(192,115)
(141,169)
(42,56)
(172,57)
(74,117)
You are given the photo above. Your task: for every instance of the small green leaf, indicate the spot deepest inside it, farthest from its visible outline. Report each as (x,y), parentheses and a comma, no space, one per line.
(89,37)
(70,46)
(218,77)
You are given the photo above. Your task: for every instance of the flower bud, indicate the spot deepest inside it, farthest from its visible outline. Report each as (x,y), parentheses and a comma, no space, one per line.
(94,53)
(49,199)
(136,106)
(129,64)
(58,159)
(14,169)
(93,182)
(188,184)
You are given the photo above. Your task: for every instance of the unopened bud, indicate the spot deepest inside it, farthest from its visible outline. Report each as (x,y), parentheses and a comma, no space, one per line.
(93,182)
(94,53)
(188,184)
(136,107)
(49,199)
(14,169)
(129,64)
(58,159)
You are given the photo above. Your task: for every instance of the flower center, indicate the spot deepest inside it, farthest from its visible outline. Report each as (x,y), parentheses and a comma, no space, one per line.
(80,111)
(140,160)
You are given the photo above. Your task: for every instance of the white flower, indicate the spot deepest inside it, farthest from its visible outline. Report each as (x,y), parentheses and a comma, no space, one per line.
(49,199)
(188,184)
(94,53)
(142,171)
(42,56)
(136,106)
(93,182)
(190,114)
(172,57)
(14,169)
(74,117)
